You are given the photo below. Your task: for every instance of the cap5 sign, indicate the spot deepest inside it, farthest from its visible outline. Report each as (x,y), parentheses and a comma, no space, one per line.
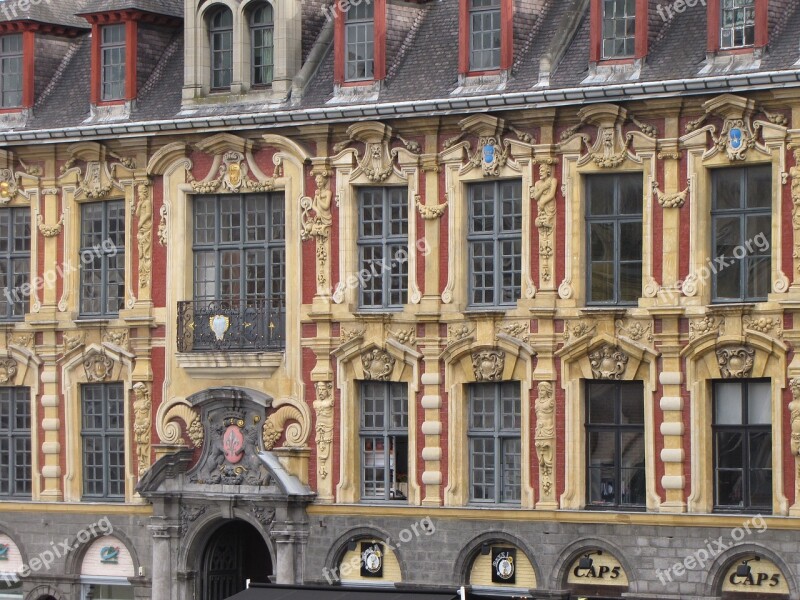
(597,568)
(755,575)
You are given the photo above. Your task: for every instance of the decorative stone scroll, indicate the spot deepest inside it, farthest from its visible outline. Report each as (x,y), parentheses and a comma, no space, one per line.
(378,365)
(488,365)
(97,367)
(8,371)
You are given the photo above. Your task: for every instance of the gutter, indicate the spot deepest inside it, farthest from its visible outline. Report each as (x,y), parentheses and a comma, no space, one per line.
(768,80)
(313,61)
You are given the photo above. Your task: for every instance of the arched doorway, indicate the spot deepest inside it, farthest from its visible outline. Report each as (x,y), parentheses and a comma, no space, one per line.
(235,553)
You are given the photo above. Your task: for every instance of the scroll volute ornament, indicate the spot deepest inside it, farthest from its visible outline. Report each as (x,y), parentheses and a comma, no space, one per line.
(8,371)
(608,362)
(378,365)
(736,362)
(98,367)
(489,365)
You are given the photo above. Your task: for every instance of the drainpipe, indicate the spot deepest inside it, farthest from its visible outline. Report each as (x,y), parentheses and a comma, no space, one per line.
(318,52)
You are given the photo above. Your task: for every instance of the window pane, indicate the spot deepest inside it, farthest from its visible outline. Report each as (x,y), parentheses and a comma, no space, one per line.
(759,403)
(728,404)
(602,470)
(601,403)
(632,470)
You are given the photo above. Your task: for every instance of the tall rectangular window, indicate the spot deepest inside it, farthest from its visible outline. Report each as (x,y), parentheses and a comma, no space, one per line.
(11,70)
(384,441)
(495,442)
(360,42)
(615,445)
(262,30)
(103,434)
(614,235)
(484,35)
(15,262)
(239,271)
(102,258)
(112,56)
(220,26)
(738,23)
(495,243)
(15,441)
(619,28)
(742,445)
(383,246)
(741,215)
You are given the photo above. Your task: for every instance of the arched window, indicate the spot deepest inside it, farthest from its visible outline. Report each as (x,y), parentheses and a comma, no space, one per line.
(261,53)
(221,32)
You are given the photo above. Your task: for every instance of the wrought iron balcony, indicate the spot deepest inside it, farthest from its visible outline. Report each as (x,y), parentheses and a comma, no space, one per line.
(232,326)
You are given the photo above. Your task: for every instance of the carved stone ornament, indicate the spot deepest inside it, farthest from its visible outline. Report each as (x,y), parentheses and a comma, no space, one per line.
(49,231)
(738,134)
(736,362)
(489,365)
(764,325)
(544,193)
(575,331)
(144,236)
(142,425)
(189,514)
(316,212)
(794,412)
(456,333)
(377,162)
(323,407)
(794,172)
(608,362)
(276,425)
(378,365)
(98,182)
(232,176)
(634,330)
(704,326)
(675,200)
(545,436)
(98,367)
(430,212)
(162,225)
(519,331)
(8,371)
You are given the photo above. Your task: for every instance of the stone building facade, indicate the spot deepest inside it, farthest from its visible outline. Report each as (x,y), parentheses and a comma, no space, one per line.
(496,294)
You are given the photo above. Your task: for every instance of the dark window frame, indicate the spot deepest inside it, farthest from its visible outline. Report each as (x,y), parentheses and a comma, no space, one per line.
(746,429)
(505,282)
(746,29)
(618,429)
(498,434)
(363,55)
(108,436)
(221,45)
(742,213)
(99,250)
(15,404)
(113,62)
(391,269)
(13,305)
(11,70)
(479,12)
(617,219)
(389,433)
(628,39)
(262,74)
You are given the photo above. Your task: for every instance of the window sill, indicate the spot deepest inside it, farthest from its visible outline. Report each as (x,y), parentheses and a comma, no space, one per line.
(216,365)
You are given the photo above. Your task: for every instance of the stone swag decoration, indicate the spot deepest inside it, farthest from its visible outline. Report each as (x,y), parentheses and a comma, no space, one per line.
(544,437)
(232,176)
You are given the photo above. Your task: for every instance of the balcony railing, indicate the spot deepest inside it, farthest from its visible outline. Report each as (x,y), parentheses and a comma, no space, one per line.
(232,326)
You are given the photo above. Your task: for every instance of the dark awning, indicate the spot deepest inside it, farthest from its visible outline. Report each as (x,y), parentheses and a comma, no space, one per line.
(263,591)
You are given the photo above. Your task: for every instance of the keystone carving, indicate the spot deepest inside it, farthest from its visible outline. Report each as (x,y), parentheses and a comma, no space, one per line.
(608,362)
(98,367)
(378,365)
(736,362)
(489,365)
(8,371)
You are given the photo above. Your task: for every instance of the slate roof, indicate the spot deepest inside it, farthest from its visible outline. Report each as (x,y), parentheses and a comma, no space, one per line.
(53,12)
(424,68)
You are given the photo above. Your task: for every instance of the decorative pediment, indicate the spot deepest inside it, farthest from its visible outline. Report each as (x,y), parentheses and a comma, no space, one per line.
(8,371)
(377,163)
(603,356)
(493,151)
(230,173)
(17,182)
(225,142)
(611,146)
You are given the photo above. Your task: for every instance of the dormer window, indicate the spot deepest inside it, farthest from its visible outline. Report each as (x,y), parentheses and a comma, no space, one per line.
(360,42)
(485,35)
(112,57)
(11,70)
(619,28)
(221,31)
(738,23)
(262,28)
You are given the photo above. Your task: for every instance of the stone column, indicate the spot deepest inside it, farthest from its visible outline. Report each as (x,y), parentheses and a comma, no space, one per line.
(285,553)
(161,575)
